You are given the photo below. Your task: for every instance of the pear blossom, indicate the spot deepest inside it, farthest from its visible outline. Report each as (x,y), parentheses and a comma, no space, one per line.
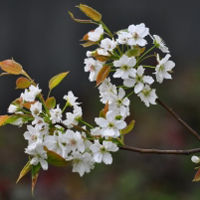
(107,91)
(95,35)
(106,47)
(163,68)
(110,125)
(56,114)
(12,108)
(92,66)
(82,163)
(120,103)
(125,65)
(36,108)
(157,40)
(101,151)
(73,118)
(38,153)
(74,141)
(31,93)
(139,80)
(71,99)
(148,95)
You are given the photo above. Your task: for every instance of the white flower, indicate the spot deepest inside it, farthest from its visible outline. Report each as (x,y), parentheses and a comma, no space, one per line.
(138,33)
(31,93)
(12,108)
(101,151)
(160,43)
(163,68)
(95,35)
(106,47)
(36,108)
(195,159)
(120,103)
(93,66)
(56,114)
(73,118)
(123,37)
(32,135)
(82,163)
(148,95)
(71,99)
(74,141)
(107,91)
(55,142)
(40,155)
(110,125)
(125,65)
(138,81)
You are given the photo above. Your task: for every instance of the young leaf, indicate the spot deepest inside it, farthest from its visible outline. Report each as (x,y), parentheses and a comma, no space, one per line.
(80,20)
(22,83)
(11,67)
(54,81)
(197,176)
(3,119)
(136,51)
(128,128)
(55,159)
(90,12)
(51,102)
(34,175)
(103,74)
(24,171)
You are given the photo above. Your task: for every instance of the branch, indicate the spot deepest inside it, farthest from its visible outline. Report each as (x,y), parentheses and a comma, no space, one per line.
(159,151)
(179,119)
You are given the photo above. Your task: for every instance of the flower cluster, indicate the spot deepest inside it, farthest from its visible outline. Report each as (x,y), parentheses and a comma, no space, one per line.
(124,54)
(60,136)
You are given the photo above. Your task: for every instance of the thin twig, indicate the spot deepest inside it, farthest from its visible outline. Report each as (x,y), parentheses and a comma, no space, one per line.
(179,119)
(159,151)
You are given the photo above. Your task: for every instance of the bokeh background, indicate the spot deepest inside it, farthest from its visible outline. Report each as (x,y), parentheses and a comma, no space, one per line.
(41,36)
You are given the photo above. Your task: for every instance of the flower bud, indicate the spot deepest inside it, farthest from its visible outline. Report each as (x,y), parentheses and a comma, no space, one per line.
(195,159)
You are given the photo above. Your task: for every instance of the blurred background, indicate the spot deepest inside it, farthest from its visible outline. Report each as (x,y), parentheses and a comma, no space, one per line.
(40,35)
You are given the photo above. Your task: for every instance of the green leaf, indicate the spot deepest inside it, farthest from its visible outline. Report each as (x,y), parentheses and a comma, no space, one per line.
(54,81)
(25,170)
(136,51)
(51,102)
(22,83)
(128,128)
(34,175)
(55,159)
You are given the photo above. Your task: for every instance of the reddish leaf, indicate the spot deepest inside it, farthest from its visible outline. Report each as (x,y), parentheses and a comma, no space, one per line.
(11,67)
(103,74)
(24,171)
(35,169)
(51,102)
(197,176)
(90,12)
(3,119)
(22,83)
